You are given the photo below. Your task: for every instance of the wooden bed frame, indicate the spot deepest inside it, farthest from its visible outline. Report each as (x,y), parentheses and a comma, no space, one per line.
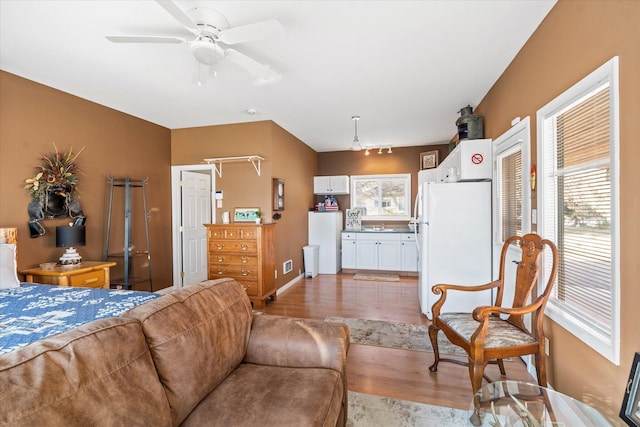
(10,234)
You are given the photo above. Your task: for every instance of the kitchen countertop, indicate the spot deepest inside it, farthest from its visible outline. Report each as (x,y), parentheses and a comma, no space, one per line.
(381,229)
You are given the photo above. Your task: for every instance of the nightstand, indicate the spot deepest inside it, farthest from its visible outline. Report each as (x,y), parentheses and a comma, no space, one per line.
(89,274)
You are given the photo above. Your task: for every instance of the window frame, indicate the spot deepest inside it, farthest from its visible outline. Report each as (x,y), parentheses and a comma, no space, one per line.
(406,177)
(608,345)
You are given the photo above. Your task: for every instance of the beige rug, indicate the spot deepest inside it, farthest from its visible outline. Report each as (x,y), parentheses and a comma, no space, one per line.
(374,277)
(406,336)
(366,410)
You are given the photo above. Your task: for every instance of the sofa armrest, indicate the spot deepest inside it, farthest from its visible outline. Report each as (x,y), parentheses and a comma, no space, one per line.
(304,343)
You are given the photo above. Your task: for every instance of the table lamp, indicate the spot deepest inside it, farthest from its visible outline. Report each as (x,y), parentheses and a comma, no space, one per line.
(68,237)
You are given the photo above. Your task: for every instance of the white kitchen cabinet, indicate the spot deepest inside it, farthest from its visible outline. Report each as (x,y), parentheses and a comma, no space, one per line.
(379,251)
(409,254)
(471,160)
(348,250)
(331,185)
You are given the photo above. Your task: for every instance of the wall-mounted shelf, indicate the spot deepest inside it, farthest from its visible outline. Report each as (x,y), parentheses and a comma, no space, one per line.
(217,162)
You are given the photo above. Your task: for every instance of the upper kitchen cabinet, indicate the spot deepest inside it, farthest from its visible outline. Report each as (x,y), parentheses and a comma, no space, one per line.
(326,185)
(471,160)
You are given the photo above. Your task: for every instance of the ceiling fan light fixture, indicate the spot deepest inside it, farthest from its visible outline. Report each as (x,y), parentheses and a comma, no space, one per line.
(206,51)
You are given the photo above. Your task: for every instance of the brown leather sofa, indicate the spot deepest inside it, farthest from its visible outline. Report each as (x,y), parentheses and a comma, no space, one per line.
(196,357)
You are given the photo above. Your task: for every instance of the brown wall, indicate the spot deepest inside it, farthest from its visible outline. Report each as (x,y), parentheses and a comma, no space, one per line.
(32,117)
(575,39)
(401,160)
(286,157)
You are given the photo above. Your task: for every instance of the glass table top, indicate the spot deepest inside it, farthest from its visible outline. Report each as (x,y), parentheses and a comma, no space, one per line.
(513,403)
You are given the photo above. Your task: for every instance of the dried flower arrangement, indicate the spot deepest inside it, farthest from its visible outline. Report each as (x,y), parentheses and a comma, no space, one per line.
(56,175)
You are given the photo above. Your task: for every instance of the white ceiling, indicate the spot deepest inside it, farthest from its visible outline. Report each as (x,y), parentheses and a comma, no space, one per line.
(405,67)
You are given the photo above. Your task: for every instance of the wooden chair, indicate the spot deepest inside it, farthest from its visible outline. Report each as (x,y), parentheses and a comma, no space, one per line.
(483,334)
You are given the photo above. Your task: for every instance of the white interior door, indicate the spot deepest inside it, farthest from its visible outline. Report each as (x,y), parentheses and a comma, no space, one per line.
(196,211)
(192,206)
(512,200)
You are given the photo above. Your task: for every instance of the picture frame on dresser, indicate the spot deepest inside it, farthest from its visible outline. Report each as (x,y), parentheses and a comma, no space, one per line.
(630,409)
(246,214)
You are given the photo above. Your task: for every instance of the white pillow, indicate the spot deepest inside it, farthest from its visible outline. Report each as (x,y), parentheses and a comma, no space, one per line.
(8,267)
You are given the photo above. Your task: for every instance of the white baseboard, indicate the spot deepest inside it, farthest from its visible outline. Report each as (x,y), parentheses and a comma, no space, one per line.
(289,284)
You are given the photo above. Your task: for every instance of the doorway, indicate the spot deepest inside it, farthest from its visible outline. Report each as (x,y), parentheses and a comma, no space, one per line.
(192,206)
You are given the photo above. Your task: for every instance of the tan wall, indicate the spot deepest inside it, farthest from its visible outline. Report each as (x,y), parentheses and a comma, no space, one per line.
(32,117)
(575,39)
(286,157)
(401,160)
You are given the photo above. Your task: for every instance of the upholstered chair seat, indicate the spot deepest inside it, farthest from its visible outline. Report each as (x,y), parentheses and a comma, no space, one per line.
(500,333)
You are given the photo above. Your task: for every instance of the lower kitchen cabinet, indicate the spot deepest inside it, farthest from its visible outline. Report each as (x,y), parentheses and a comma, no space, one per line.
(379,251)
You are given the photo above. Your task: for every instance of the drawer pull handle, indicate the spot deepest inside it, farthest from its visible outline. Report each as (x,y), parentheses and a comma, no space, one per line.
(244,272)
(220,258)
(244,247)
(220,271)
(246,288)
(219,245)
(87,281)
(244,259)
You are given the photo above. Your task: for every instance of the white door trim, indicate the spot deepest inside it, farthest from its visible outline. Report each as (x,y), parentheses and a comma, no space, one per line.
(176,214)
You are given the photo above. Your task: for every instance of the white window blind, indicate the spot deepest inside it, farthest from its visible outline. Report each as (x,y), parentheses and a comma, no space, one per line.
(578,213)
(511,195)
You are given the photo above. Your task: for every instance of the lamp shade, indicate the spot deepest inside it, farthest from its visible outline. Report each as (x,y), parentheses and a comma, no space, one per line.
(68,236)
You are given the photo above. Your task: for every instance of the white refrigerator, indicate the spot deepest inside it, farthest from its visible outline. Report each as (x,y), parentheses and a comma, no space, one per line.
(325,230)
(454,242)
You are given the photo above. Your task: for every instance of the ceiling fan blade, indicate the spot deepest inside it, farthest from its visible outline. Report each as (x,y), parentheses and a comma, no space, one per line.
(251,32)
(179,15)
(263,72)
(146,39)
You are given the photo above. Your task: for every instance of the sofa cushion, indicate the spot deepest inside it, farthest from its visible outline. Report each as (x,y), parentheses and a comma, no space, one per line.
(258,395)
(197,335)
(100,373)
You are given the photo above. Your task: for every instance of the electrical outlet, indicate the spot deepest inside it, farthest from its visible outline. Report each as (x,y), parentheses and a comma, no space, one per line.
(275,273)
(546,346)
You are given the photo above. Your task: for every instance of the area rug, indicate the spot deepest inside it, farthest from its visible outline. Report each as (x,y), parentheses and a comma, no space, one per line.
(366,410)
(377,277)
(406,336)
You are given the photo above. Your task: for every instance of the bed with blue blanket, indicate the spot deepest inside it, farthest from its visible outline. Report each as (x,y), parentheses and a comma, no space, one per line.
(31,312)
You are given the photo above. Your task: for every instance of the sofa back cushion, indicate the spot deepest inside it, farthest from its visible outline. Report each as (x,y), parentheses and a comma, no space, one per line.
(197,335)
(100,373)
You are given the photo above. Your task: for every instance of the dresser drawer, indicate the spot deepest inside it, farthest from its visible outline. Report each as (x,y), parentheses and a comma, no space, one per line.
(224,258)
(222,246)
(91,279)
(250,286)
(233,271)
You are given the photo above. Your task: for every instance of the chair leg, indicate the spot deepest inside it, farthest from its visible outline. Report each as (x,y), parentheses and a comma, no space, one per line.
(540,360)
(433,336)
(476,373)
(501,367)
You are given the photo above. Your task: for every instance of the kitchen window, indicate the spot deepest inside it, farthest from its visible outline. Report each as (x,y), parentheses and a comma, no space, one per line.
(578,144)
(382,197)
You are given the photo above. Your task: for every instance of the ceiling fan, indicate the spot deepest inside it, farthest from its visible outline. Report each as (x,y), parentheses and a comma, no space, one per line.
(211,30)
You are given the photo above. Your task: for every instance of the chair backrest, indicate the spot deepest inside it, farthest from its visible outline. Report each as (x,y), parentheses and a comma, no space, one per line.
(526,277)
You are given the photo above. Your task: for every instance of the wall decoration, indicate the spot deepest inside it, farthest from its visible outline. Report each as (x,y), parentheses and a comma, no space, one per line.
(278,194)
(630,410)
(246,214)
(429,160)
(54,190)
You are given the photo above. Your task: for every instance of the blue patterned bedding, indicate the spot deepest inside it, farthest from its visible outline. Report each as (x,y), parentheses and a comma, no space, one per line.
(32,312)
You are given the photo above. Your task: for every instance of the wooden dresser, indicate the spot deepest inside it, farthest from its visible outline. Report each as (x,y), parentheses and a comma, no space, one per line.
(88,274)
(244,252)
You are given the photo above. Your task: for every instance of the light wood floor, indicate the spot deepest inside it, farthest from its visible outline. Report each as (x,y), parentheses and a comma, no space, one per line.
(401,374)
